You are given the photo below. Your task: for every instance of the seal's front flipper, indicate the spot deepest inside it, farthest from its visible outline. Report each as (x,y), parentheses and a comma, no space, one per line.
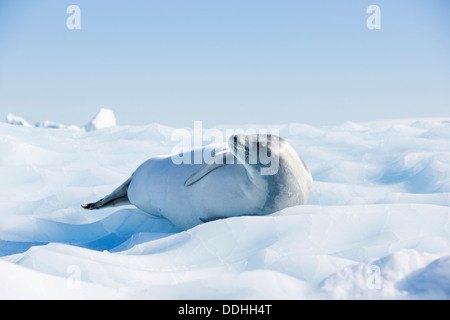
(118,197)
(200,173)
(218,161)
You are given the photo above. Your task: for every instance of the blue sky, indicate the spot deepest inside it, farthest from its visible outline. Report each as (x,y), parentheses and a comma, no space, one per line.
(225,61)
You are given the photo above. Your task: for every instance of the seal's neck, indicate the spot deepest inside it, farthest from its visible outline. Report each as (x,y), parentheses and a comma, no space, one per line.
(253,174)
(255,177)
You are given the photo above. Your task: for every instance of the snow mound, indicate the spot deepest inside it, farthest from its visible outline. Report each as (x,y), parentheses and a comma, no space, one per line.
(377,225)
(432,281)
(393,276)
(403,274)
(105,118)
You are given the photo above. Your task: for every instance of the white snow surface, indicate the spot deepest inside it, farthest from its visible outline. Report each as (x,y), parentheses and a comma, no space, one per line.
(377,225)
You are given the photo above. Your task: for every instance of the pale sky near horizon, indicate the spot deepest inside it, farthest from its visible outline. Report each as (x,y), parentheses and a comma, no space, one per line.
(225,61)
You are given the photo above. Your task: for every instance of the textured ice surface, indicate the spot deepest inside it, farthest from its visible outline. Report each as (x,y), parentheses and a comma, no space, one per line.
(377,224)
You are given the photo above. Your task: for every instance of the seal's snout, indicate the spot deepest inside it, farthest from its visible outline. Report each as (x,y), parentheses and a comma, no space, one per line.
(233,141)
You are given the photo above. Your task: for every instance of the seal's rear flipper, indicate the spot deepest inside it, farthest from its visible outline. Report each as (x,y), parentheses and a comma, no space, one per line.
(103,204)
(118,197)
(205,220)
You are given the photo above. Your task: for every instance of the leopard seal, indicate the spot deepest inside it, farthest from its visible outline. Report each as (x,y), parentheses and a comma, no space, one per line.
(247,175)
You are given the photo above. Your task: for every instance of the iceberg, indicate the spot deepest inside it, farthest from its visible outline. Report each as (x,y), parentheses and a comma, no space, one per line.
(48,124)
(16,120)
(105,118)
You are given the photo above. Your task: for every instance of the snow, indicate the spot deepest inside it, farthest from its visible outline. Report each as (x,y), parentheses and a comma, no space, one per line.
(377,225)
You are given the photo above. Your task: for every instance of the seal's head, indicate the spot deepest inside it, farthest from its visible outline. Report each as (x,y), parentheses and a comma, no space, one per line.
(274,160)
(258,151)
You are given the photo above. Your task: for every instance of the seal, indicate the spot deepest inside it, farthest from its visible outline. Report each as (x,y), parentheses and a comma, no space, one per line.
(248,175)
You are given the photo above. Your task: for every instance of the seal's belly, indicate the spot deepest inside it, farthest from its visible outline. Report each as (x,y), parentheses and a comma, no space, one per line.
(157,187)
